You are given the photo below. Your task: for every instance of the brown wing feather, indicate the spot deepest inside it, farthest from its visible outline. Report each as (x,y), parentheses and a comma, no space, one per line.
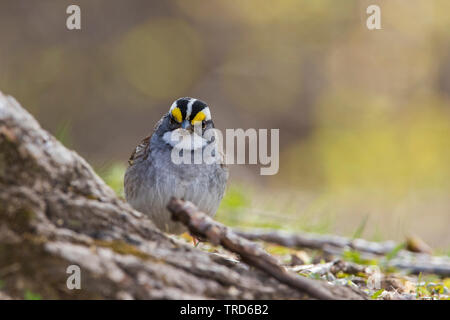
(140,152)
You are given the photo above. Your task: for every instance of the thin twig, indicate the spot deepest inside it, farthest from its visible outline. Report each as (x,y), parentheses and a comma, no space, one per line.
(316,241)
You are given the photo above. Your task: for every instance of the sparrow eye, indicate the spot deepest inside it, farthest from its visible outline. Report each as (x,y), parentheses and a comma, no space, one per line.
(203,124)
(173,121)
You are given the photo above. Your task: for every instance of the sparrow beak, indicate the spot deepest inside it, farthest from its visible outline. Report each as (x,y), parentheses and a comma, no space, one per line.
(186,125)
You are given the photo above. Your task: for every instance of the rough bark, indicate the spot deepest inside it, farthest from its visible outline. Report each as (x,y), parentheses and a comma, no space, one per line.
(55,212)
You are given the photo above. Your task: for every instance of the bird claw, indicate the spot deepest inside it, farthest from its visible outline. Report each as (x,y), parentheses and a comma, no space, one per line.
(195,241)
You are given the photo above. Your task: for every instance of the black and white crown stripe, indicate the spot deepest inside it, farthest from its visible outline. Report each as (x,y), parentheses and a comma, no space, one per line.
(189,108)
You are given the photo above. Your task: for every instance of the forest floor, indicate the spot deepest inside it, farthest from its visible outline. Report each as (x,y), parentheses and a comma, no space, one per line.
(375,276)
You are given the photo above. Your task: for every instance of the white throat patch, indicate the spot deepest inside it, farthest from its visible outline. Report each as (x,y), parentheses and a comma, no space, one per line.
(184,140)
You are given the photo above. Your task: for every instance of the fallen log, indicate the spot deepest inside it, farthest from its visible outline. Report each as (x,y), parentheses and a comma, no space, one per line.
(56,212)
(199,224)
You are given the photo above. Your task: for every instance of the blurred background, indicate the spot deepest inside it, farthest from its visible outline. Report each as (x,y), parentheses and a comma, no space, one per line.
(364,116)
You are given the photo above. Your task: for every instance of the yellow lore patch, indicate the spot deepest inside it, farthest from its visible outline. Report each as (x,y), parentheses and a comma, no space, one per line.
(176,113)
(200,116)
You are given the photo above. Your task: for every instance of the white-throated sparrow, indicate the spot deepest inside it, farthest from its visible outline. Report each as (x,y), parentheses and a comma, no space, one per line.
(153,177)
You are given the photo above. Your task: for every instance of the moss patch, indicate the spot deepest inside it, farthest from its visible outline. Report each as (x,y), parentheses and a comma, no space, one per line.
(122,248)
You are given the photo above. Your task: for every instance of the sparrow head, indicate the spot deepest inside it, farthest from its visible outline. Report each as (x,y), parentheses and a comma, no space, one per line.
(187,117)
(189,112)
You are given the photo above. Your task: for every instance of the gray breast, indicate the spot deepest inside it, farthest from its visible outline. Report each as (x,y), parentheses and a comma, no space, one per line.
(156,179)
